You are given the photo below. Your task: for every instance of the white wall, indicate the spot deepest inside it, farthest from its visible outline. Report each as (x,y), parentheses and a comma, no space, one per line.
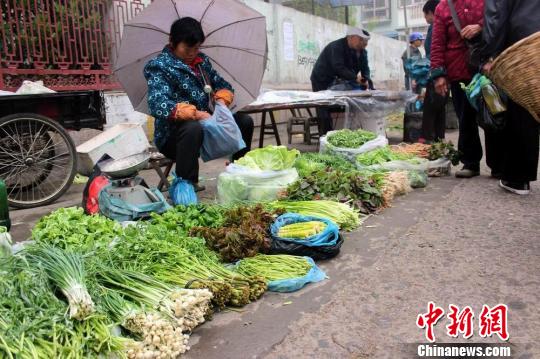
(310,35)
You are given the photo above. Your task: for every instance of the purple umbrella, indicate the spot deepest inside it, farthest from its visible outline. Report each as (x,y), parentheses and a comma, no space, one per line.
(235,43)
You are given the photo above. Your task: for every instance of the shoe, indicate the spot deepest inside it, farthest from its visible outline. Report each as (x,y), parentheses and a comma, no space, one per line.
(496,175)
(521,188)
(198,188)
(467,173)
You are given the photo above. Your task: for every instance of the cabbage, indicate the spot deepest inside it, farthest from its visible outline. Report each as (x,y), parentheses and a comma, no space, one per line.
(274,158)
(232,188)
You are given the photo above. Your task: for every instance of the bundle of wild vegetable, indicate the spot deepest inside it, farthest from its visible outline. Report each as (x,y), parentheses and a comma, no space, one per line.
(187,307)
(350,139)
(444,150)
(396,183)
(71,228)
(346,217)
(183,218)
(353,187)
(33,322)
(65,270)
(158,336)
(244,233)
(274,267)
(179,260)
(307,163)
(301,230)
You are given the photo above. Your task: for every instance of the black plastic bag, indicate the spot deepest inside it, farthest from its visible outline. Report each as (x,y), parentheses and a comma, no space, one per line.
(295,249)
(488,121)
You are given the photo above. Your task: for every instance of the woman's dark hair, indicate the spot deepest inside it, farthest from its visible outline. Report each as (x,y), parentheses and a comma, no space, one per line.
(187,30)
(430,6)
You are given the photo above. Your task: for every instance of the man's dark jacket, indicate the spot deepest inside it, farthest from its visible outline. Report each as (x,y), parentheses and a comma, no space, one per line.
(508,21)
(338,60)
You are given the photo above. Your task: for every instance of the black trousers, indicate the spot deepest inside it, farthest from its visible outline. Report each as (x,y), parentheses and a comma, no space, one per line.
(514,150)
(434,115)
(469,138)
(185,141)
(325,120)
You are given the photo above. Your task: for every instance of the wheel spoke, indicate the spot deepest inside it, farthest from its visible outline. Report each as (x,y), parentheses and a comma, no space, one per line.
(34,140)
(52,158)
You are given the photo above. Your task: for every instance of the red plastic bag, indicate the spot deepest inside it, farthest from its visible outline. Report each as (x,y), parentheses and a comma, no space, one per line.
(92,203)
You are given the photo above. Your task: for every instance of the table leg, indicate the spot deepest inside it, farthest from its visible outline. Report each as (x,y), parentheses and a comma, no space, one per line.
(263,125)
(274,126)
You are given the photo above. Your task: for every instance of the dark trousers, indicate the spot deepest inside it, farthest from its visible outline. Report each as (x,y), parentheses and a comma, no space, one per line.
(514,150)
(323,115)
(434,115)
(185,141)
(469,139)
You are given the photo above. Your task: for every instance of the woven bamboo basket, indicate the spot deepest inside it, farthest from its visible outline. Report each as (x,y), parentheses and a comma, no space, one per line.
(517,72)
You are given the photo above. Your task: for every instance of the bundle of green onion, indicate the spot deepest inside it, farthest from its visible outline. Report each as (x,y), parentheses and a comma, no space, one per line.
(66,271)
(158,336)
(187,307)
(274,267)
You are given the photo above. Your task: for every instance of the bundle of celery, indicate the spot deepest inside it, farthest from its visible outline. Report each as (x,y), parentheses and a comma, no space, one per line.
(274,267)
(346,217)
(171,257)
(301,230)
(66,271)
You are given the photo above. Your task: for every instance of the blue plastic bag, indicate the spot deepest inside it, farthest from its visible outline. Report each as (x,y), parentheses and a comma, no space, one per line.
(328,237)
(314,275)
(419,70)
(221,135)
(182,192)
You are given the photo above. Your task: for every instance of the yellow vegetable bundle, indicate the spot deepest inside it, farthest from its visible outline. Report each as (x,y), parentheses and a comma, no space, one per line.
(301,229)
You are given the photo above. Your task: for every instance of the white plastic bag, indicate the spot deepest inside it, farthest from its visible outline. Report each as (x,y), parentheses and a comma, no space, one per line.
(242,184)
(33,88)
(351,153)
(222,137)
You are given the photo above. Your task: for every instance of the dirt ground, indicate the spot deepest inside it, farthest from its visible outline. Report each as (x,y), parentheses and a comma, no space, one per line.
(462,242)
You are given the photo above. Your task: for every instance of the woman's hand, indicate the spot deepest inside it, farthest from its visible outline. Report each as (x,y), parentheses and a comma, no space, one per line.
(470,31)
(224,97)
(441,86)
(202,115)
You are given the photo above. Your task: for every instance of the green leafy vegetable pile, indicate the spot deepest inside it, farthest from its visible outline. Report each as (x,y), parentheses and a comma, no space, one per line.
(350,139)
(307,163)
(362,191)
(71,228)
(382,155)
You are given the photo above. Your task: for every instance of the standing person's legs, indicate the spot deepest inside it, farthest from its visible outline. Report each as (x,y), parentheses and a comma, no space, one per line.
(183,146)
(469,139)
(495,152)
(245,124)
(521,146)
(434,115)
(323,115)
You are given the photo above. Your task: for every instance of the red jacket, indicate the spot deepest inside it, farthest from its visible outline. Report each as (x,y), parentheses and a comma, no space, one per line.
(448,50)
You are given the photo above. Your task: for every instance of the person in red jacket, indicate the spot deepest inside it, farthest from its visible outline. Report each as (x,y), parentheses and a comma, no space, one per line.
(449,67)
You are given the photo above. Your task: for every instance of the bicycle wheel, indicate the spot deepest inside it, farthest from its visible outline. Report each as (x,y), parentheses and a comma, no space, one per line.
(38,159)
